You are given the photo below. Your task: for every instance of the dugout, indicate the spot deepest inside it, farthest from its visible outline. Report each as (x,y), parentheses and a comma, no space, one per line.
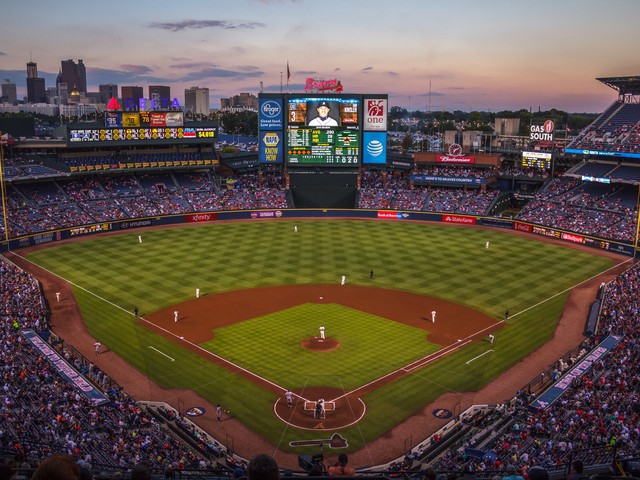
(318,188)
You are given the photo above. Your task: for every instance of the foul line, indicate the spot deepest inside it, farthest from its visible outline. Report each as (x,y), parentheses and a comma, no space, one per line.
(475,358)
(161,353)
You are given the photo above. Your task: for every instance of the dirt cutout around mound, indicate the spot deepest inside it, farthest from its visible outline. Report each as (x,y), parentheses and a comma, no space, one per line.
(67,322)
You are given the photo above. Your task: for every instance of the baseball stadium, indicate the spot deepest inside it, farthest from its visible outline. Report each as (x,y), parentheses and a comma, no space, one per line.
(324,297)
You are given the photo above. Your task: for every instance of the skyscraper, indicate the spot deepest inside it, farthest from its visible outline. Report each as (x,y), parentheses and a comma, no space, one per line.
(9,92)
(131,97)
(74,75)
(196,100)
(160,96)
(107,92)
(36,90)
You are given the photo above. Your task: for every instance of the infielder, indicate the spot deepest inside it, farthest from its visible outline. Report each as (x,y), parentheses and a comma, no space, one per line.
(97,345)
(175,316)
(289,396)
(433,316)
(58,296)
(321,333)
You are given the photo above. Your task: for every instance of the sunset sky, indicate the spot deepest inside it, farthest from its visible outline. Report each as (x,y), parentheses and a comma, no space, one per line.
(471,55)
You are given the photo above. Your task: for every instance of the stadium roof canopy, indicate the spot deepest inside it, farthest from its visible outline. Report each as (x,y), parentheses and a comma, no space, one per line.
(624,85)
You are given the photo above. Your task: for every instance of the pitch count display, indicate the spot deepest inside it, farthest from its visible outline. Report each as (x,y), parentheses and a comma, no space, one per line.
(323,131)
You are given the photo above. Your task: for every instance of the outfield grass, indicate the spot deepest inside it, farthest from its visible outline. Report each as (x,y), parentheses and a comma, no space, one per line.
(114,273)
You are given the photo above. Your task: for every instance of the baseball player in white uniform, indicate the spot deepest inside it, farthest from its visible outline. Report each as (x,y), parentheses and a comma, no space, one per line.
(323,119)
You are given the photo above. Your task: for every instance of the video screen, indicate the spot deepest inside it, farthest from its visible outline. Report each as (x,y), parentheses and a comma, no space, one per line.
(323,131)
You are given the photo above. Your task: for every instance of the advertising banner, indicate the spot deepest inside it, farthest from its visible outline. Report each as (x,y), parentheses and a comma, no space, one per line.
(66,371)
(270,114)
(375,148)
(270,148)
(459,219)
(200,217)
(463,159)
(375,114)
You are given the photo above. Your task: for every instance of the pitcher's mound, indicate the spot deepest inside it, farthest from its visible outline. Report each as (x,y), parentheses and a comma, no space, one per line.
(319,344)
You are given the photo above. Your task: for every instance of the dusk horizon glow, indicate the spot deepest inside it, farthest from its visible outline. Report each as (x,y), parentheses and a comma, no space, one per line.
(426,55)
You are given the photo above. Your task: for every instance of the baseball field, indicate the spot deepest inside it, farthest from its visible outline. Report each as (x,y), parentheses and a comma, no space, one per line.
(264,291)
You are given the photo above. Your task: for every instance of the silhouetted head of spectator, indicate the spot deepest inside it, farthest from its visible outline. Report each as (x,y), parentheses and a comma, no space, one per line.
(141,472)
(578,466)
(263,467)
(57,467)
(538,473)
(430,474)
(6,472)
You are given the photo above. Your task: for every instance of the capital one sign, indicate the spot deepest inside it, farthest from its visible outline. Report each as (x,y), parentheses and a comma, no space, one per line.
(375,114)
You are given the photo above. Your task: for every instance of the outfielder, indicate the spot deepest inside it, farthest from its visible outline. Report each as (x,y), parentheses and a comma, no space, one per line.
(433,316)
(175,316)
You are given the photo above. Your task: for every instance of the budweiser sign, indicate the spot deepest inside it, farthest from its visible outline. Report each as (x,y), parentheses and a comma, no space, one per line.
(455,159)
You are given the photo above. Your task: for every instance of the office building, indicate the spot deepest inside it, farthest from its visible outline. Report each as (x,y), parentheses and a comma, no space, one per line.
(131,96)
(74,75)
(107,92)
(196,100)
(36,90)
(160,97)
(9,92)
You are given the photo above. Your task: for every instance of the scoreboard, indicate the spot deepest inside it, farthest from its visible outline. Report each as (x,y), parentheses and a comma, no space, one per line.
(313,140)
(539,160)
(323,146)
(322,129)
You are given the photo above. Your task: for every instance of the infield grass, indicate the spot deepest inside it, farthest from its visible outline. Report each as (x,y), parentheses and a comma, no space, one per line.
(112,274)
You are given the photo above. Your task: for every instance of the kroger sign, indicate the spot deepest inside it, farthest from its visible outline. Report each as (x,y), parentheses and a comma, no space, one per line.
(271,114)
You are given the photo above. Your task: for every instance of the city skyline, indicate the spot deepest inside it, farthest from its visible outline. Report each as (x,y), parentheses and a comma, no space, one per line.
(456,55)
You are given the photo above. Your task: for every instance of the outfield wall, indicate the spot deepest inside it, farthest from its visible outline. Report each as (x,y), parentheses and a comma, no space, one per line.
(391,215)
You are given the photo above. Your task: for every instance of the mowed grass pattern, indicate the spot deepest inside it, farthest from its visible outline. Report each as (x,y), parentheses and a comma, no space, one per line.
(442,261)
(272,346)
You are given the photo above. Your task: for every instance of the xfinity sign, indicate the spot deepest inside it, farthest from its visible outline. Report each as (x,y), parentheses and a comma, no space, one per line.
(270,116)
